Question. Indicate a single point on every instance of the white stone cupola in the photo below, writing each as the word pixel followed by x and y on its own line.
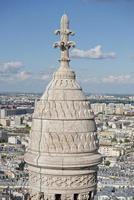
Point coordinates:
pixel 63 150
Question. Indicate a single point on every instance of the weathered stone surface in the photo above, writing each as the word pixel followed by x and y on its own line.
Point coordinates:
pixel 62 154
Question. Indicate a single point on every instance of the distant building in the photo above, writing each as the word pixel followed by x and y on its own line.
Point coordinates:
pixel 107 150
pixel 14 140
pixel 98 108
pixel 18 120
pixel 20 111
pixel 5 122
pixel 109 193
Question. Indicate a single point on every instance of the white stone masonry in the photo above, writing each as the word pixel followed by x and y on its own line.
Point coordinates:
pixel 63 150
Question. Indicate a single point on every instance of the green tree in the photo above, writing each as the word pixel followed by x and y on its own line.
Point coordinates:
pixel 107 163
pixel 28 128
pixel 114 140
pixel 126 140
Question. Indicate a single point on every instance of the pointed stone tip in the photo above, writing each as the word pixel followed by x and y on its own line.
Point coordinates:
pixel 64 19
pixel 64 15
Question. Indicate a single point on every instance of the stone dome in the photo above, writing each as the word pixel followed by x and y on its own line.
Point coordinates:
pixel 63 150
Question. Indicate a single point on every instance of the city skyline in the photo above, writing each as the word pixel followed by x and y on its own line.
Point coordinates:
pixel 104 54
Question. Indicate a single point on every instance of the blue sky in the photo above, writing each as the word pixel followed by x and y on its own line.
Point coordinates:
pixel 104 55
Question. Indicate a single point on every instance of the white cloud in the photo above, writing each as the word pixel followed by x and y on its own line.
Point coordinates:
pixel 10 67
pixel 44 77
pixel 24 75
pixel 94 53
pixel 91 80
pixel 123 79
pixel 110 79
pixel 12 71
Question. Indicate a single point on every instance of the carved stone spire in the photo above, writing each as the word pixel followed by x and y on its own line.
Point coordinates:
pixel 63 149
pixel 64 44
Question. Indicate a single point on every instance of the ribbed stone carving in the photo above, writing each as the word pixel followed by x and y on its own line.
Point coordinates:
pixel 62 154
pixel 65 143
pixel 63 110
pixel 64 182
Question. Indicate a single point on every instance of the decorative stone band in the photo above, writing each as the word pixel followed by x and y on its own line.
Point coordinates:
pixel 42 196
pixel 64 75
pixel 64 84
pixel 63 110
pixel 62 161
pixel 64 142
pixel 50 182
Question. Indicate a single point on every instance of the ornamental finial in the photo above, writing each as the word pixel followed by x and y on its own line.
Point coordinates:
pixel 64 44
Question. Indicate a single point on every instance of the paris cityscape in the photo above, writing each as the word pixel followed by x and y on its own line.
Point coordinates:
pixel 66 132
pixel 115 123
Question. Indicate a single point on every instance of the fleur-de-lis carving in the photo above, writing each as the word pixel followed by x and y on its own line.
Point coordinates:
pixel 64 44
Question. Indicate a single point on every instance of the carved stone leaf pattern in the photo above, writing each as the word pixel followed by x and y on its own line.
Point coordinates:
pixel 63 110
pixel 76 142
pixel 33 177
pixel 63 181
